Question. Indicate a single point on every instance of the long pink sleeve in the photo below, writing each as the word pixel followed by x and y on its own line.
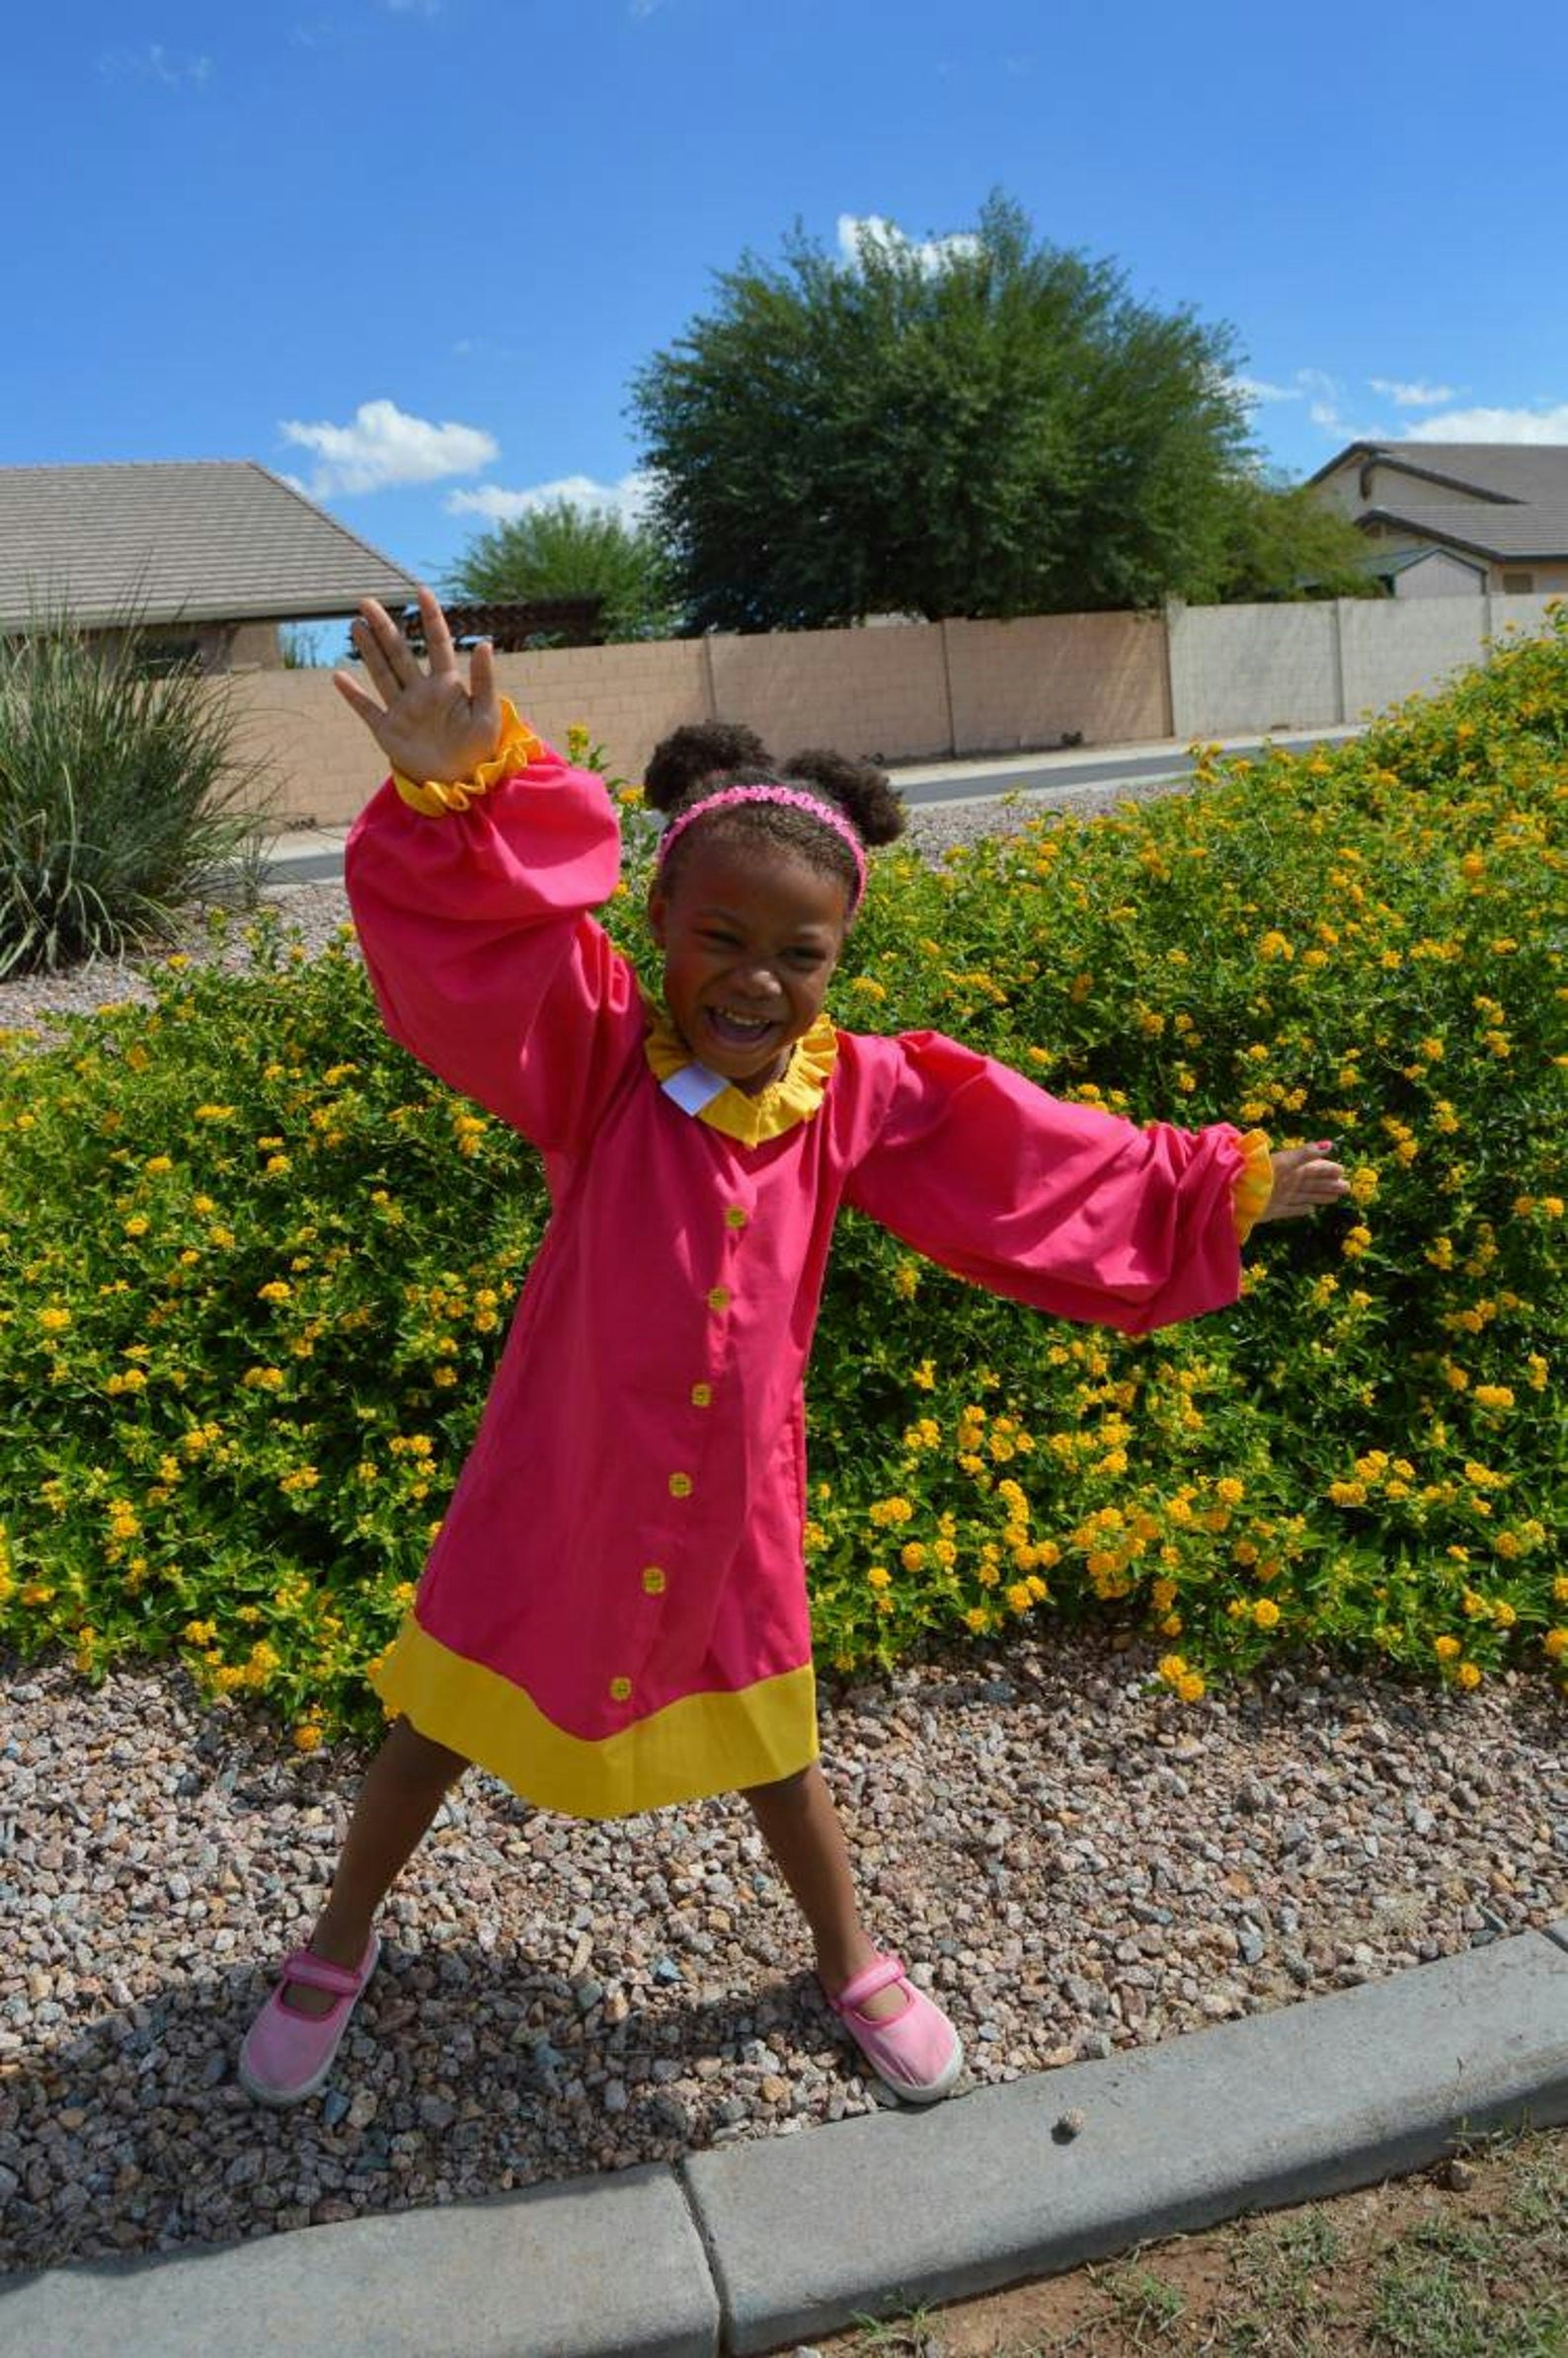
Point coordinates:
pixel 1069 1209
pixel 485 961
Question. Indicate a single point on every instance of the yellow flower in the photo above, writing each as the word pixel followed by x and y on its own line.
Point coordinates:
pixel 879 1577
pixel 307 1735
pixel 1229 1491
pixel 1555 1644
pixel 977 1618
pixel 1468 1674
pixel 1493 1395
pixel 1266 1612
pixel 913 1556
pixel 1446 1649
pixel 54 1321
pixel 1191 1687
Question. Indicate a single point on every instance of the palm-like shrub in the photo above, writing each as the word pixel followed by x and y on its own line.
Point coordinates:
pixel 122 799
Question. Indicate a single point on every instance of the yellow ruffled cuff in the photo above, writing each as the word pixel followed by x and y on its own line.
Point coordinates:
pixel 435 796
pixel 1254 1183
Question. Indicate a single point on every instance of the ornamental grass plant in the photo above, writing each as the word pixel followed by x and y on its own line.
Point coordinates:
pixel 256 1266
pixel 122 797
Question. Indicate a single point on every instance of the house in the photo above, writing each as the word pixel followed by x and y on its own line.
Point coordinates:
pixel 1446 517
pixel 210 554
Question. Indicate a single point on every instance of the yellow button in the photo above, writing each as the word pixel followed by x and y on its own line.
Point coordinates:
pixel 620 1690
pixel 702 1395
pixel 680 1485
pixel 654 1580
pixel 718 1297
pixel 734 1216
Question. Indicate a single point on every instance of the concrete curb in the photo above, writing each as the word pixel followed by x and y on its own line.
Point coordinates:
pixel 756 2246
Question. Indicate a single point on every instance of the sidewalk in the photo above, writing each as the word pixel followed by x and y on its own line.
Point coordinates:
pixel 760 2245
pixel 314 855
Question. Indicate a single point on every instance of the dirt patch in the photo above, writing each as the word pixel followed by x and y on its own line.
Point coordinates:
pixel 1471 2256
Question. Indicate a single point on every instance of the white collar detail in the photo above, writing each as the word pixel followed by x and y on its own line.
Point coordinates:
pixel 693 1087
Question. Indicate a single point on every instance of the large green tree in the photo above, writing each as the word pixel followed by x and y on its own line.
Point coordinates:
pixel 1280 541
pixel 565 548
pixel 990 426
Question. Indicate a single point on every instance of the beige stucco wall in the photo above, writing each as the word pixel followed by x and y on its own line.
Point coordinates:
pixel 1034 682
pixel 922 691
pixel 926 691
pixel 878 692
pixel 1546 580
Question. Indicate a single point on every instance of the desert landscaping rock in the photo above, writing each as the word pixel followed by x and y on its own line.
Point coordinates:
pixel 525 2024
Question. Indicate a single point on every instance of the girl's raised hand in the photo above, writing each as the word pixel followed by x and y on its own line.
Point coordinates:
pixel 429 724
pixel 1304 1179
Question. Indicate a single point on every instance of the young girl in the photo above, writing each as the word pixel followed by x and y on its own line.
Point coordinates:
pixel 614 1614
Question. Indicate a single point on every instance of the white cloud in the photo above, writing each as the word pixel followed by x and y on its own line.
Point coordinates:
pixel 154 64
pixel 415 8
pixel 1322 393
pixel 856 230
pixel 1411 397
pixel 383 446
pixel 1545 425
pixel 643 8
pixel 627 499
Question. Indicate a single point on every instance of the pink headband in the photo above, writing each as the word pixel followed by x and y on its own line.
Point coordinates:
pixel 823 812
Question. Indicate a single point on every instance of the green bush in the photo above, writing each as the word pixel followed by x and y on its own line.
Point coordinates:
pixel 120 795
pixel 254 1266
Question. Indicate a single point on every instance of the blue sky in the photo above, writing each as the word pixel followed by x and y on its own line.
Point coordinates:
pixel 411 252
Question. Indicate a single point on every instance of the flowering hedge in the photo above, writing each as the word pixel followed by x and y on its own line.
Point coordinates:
pixel 254 1267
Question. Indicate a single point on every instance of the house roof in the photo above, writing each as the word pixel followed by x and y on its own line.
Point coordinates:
pixel 1537 532
pixel 1518 494
pixel 1386 559
pixel 201 540
pixel 1527 471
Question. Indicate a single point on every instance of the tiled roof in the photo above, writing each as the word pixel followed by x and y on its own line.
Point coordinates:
pixel 202 540
pixel 1539 531
pixel 1535 473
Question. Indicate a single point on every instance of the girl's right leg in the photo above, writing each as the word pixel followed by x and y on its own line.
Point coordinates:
pixel 401 1794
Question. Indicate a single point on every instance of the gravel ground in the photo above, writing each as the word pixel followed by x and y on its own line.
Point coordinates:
pixel 1073 1864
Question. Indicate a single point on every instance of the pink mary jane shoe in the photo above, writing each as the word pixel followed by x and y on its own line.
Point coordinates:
pixel 287 2054
pixel 917 2054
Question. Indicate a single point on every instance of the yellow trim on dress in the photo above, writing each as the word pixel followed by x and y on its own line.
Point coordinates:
pixel 714 1743
pixel 1254 1183
pixel 436 796
pixel 773 1110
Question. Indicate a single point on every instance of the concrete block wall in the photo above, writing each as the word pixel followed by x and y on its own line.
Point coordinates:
pixel 924 691
pixel 1395 647
pixel 1033 681
pixel 878 692
pixel 626 697
pixel 1239 668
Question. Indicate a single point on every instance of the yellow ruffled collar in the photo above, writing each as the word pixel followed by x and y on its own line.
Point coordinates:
pixel 773 1110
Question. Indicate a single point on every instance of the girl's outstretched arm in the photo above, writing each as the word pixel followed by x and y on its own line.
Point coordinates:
pixel 472 874
pixel 1074 1211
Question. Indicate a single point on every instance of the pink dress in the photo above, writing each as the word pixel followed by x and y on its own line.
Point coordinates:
pixel 614 1614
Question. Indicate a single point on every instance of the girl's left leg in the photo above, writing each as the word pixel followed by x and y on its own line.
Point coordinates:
pixel 803 1831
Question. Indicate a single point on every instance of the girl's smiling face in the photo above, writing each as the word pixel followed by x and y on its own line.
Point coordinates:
pixel 749 947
